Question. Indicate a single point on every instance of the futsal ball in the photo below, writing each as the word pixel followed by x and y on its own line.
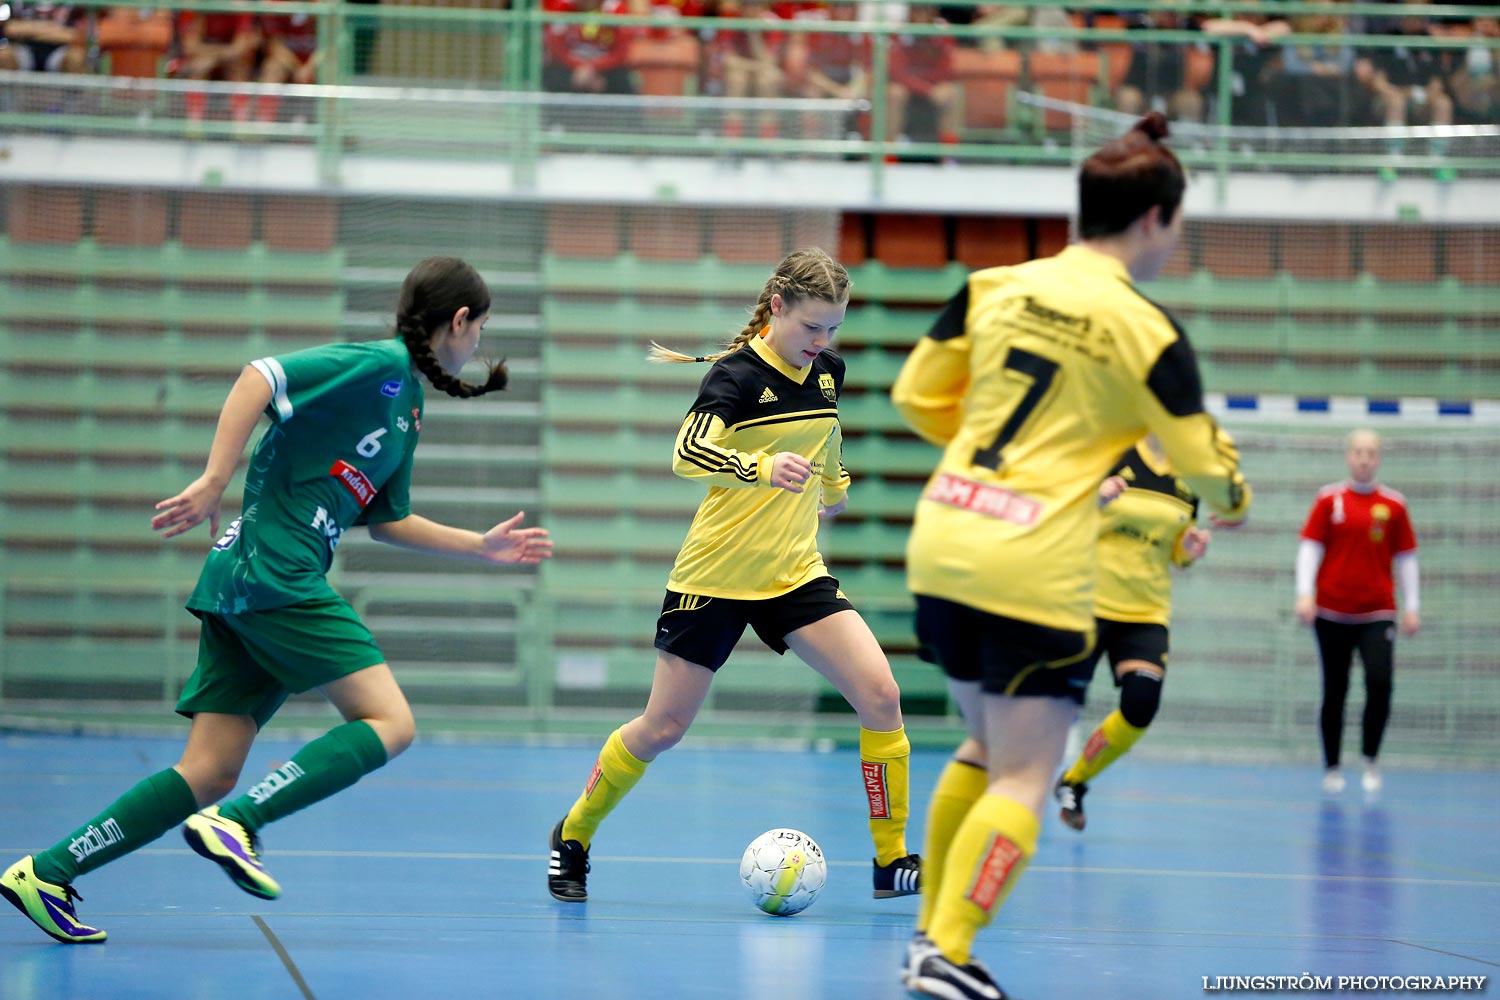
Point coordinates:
pixel 783 871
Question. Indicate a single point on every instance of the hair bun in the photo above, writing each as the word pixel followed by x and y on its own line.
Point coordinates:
pixel 1154 125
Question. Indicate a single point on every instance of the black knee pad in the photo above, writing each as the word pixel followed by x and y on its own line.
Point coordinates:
pixel 1140 695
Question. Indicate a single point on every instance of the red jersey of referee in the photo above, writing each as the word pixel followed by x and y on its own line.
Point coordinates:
pixel 1361 533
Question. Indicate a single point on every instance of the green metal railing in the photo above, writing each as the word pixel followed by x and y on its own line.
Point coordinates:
pixel 525 132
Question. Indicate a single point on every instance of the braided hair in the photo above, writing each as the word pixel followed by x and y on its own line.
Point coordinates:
pixel 432 294
pixel 803 274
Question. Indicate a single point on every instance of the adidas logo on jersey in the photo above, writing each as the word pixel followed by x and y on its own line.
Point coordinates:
pixel 768 396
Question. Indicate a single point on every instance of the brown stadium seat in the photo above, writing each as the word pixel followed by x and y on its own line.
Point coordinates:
pixel 1065 76
pixel 306 225
pixel 1473 255
pixel 1400 253
pixel 1236 250
pixel 130 218
pixel 674 234
pixel 747 237
pixel 588 231
pixel 852 248
pixel 986 241
pixel 45 215
pixel 1051 236
pixel 986 78
pixel 665 67
pixel 910 241
pixel 1317 252
pixel 215 220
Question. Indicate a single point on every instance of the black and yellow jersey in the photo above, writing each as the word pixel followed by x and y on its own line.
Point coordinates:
pixel 1034 379
pixel 1140 540
pixel 749 539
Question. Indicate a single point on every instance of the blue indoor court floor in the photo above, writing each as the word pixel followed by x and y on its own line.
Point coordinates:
pixel 427 880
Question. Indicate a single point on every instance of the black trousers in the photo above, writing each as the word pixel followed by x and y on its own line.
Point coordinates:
pixel 1337 641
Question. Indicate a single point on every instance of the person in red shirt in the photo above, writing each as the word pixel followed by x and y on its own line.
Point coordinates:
pixel 292 54
pixel 1356 533
pixel 922 77
pixel 217 47
pixel 587 58
pixel 747 63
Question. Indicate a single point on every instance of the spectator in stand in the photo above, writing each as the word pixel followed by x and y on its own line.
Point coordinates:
pixel 291 54
pixel 995 15
pixel 587 58
pixel 1475 79
pixel 1158 71
pixel 668 8
pixel 1314 85
pixel 42 37
pixel 747 63
pixel 135 39
pixel 1409 84
pixel 1255 56
pixel 922 81
pixel 827 64
pixel 217 47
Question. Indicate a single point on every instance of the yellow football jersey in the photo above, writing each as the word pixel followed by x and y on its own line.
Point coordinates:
pixel 1140 540
pixel 751 540
pixel 1034 379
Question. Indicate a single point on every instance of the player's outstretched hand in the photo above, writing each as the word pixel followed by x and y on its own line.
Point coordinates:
pixel 509 543
pixel 190 508
pixel 1219 522
pixel 1111 489
pixel 1195 542
pixel 833 510
pixel 790 471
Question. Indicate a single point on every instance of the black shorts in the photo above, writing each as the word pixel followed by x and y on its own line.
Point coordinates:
pixel 704 630
pixel 1005 655
pixel 1129 641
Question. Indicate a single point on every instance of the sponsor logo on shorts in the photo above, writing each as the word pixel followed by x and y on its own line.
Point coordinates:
pixel 391 388
pixel 991 501
pixel 999 861
pixel 354 481
pixel 875 790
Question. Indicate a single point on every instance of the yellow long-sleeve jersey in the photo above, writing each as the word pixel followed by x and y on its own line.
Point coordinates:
pixel 1034 379
pixel 1140 540
pixel 751 540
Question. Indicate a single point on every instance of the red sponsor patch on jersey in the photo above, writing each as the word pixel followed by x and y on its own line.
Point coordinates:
pixel 992 501
pixel 594 777
pixel 875 790
pixel 354 481
pixel 1095 746
pixel 999 862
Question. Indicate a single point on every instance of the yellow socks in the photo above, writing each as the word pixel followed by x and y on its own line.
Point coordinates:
pixel 615 773
pixel 988 854
pixel 958 788
pixel 1113 737
pixel 885 760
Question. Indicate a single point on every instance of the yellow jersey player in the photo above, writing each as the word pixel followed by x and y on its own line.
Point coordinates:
pixel 763 436
pixel 1149 526
pixel 338 453
pixel 1033 380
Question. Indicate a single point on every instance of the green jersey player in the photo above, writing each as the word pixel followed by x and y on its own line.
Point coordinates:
pixel 345 419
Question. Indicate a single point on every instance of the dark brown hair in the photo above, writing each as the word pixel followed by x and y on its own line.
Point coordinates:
pixel 803 274
pixel 433 292
pixel 1124 179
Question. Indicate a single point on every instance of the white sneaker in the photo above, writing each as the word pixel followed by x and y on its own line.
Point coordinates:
pixel 1333 782
pixel 1371 781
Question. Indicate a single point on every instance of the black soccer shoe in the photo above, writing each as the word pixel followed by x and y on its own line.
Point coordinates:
pixel 933 975
pixel 1070 797
pixel 902 877
pixel 568 871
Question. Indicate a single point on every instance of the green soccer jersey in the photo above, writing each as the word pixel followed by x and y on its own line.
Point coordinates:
pixel 344 424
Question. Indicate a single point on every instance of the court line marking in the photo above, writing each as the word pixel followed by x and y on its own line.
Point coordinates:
pixel 1451 954
pixel 286 959
pixel 1047 869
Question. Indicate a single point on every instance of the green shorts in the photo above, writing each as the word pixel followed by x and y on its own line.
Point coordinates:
pixel 249 663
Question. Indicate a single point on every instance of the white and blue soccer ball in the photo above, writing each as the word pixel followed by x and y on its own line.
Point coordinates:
pixel 783 871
